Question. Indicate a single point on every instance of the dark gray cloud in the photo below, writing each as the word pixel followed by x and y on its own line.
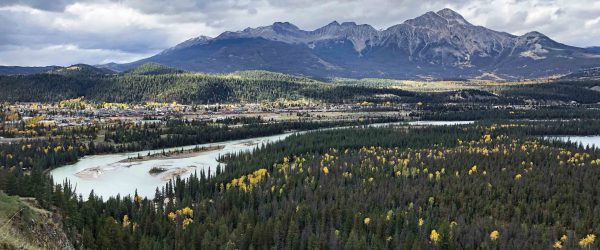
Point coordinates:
pixel 41 32
pixel 51 5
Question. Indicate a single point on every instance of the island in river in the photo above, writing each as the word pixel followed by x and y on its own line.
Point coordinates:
pixel 174 154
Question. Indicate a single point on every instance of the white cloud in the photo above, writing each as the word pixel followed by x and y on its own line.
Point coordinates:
pixel 561 20
pixel 65 54
pixel 103 29
pixel 593 24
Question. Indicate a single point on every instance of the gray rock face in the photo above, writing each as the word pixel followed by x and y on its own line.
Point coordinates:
pixel 188 43
pixel 359 35
pixel 435 45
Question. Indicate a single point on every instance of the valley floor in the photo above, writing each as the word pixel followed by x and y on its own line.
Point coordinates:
pixel 489 182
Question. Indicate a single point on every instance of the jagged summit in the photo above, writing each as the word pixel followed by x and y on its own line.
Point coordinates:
pixel 452 15
pixel 443 17
pixel 285 25
pixel 441 44
pixel 448 13
pixel 334 23
pixel 534 34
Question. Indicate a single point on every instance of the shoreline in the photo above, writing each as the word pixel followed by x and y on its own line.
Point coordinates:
pixel 173 173
pixel 175 154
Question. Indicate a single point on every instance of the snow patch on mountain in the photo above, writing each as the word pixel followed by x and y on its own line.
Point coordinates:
pixel 536 53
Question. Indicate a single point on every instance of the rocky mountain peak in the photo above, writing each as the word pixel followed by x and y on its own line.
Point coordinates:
pixel 332 24
pixel 347 27
pixel 442 18
pixel 452 15
pixel 440 43
pixel 284 26
pixel 533 34
pixel 359 35
pixel 429 19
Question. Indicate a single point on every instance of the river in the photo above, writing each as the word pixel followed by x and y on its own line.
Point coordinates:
pixel 592 140
pixel 108 176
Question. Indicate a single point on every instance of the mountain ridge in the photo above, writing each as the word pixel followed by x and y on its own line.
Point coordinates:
pixel 435 45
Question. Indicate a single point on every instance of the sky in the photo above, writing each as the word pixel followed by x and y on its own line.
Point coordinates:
pixel 65 32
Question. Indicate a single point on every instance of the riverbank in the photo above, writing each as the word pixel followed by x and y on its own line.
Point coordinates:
pixel 174 154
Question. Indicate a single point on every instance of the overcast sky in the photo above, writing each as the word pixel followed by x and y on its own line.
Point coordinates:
pixel 65 32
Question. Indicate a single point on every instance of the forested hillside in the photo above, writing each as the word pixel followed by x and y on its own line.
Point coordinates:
pixel 151 82
pixel 154 82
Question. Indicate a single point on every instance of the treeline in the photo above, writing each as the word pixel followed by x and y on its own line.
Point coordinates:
pixel 128 137
pixel 484 112
pixel 560 91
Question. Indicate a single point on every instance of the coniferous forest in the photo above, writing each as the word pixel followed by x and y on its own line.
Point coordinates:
pixel 158 83
pixel 490 185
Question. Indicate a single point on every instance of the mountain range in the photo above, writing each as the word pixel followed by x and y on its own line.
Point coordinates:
pixel 435 45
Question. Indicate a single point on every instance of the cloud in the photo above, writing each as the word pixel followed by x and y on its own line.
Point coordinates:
pixel 94 31
pixel 555 18
pixel 53 5
pixel 65 54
